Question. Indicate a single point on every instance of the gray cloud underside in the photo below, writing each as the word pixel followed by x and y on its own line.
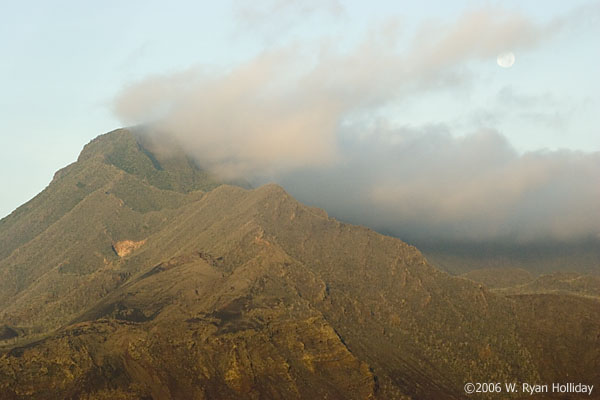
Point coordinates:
pixel 424 184
pixel 312 121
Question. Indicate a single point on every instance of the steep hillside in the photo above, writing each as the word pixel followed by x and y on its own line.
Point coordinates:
pixel 56 251
pixel 148 287
pixel 98 165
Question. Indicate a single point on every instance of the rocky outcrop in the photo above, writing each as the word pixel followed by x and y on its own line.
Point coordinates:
pixel 125 247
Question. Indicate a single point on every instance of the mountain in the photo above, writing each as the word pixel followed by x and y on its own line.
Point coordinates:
pixel 539 257
pixel 501 277
pixel 137 275
pixel 515 281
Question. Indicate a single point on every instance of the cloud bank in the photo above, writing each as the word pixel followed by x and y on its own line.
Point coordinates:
pixel 315 121
pixel 425 184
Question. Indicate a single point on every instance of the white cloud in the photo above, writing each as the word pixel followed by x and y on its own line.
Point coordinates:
pixel 306 120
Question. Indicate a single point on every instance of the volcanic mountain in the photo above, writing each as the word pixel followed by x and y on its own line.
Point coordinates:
pixel 137 275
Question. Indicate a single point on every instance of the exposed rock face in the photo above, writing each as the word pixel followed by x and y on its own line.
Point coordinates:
pixel 125 247
pixel 235 293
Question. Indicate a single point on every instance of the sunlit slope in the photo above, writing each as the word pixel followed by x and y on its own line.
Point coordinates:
pixel 61 242
pixel 98 165
pixel 147 288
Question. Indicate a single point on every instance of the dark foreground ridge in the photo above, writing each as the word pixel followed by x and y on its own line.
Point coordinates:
pixel 137 275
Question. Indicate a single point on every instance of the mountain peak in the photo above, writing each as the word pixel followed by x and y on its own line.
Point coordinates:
pixel 133 153
pixel 123 280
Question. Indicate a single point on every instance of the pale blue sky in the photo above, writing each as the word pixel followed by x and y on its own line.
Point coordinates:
pixel 63 62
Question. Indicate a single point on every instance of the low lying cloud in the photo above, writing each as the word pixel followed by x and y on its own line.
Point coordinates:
pixel 313 122
pixel 425 184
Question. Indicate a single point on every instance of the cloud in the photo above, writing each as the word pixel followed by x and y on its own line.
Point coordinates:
pixel 253 120
pixel 477 186
pixel 425 184
pixel 481 33
pixel 313 121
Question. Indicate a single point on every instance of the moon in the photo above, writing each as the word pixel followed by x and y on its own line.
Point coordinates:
pixel 506 60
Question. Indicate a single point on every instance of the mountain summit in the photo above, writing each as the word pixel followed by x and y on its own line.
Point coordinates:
pixel 137 275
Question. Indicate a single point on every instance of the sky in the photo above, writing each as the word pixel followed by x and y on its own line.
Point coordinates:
pixel 391 114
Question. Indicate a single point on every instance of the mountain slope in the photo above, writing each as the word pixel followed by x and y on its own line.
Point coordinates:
pixel 148 288
pixel 61 241
pixel 98 164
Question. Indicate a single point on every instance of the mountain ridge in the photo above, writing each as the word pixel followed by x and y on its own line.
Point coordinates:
pixel 234 292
